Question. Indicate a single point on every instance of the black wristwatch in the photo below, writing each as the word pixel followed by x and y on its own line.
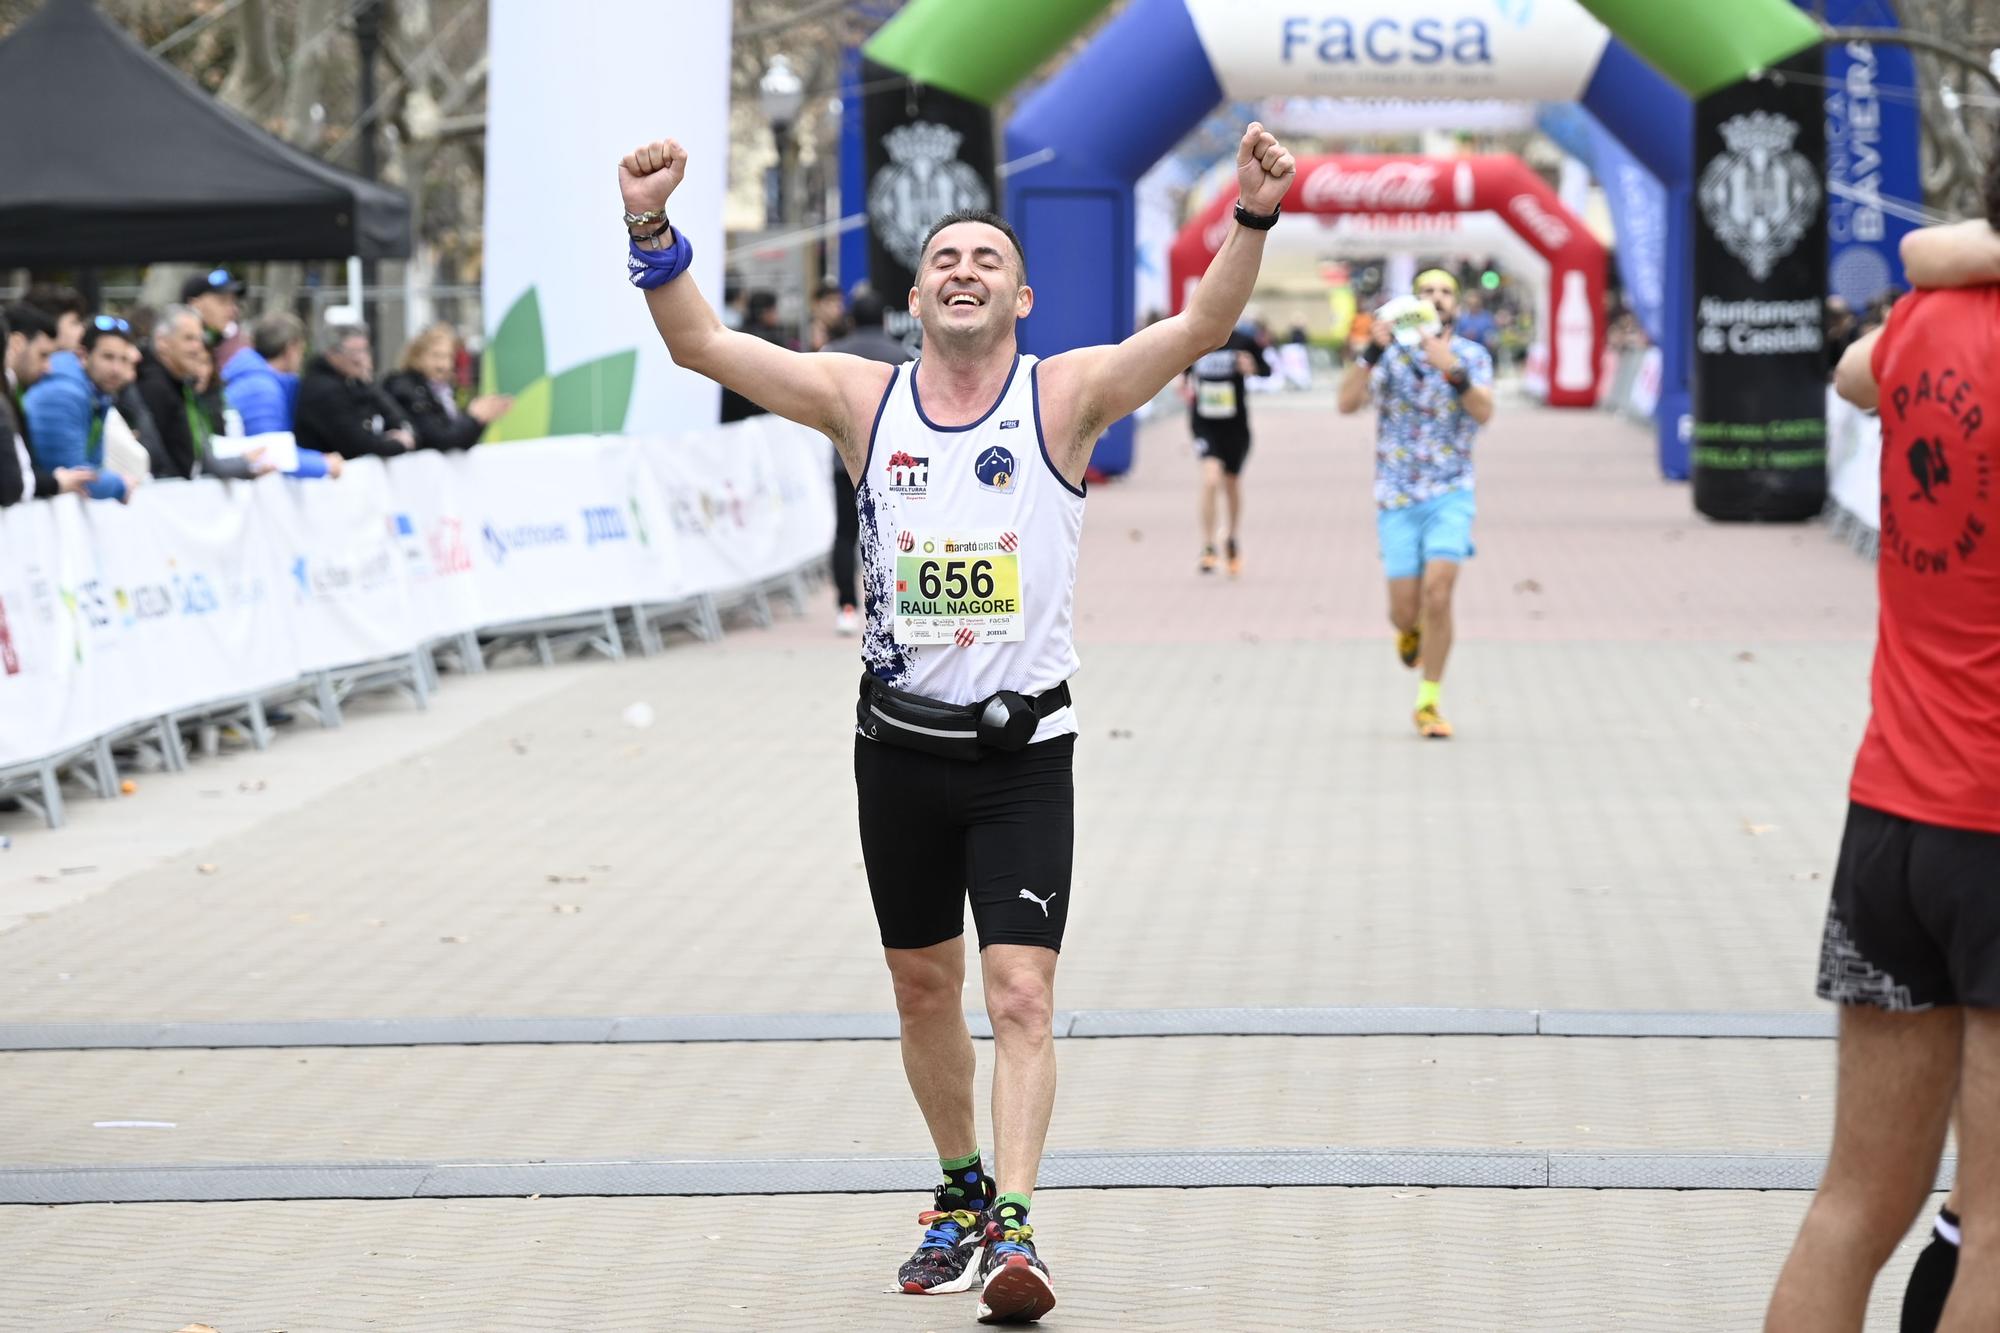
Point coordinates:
pixel 1373 353
pixel 1459 378
pixel 1257 221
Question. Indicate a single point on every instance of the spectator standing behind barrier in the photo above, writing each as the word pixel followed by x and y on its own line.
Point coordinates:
pixel 261 381
pixel 339 408
pixel 871 340
pixel 422 388
pixel 216 296
pixel 760 320
pixel 66 410
pixel 829 316
pixel 26 357
pixel 176 384
pixel 66 306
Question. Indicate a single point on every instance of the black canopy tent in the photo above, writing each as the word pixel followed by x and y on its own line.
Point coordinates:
pixel 109 156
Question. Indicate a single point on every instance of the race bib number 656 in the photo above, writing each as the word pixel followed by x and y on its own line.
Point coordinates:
pixel 964 589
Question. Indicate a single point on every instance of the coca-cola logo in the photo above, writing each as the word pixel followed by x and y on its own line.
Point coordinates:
pixel 1545 226
pixel 1391 186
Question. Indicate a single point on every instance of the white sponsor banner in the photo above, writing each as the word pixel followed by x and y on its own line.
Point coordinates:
pixel 203 592
pixel 342 574
pixel 44 707
pixel 435 541
pixel 572 89
pixel 555 518
pixel 1528 50
pixel 747 502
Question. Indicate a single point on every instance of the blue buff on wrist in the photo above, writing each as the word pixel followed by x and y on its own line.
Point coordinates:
pixel 656 268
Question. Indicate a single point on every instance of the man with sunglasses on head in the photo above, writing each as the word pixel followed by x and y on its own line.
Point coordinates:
pixel 1431 399
pixel 67 409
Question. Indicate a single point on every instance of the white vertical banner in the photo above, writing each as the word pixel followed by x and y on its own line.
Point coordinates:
pixel 571 90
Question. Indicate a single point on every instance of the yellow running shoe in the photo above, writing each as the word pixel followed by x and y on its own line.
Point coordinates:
pixel 1409 646
pixel 1431 724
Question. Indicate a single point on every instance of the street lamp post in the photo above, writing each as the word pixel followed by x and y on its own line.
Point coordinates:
pixel 781 94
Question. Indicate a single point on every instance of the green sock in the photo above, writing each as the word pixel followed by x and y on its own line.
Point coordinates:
pixel 1427 693
pixel 1011 1210
pixel 966 1177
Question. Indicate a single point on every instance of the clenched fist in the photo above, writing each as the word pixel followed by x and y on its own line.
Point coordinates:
pixel 650 173
pixel 1264 170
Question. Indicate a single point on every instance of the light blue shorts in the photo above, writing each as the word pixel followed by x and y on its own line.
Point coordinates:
pixel 1439 528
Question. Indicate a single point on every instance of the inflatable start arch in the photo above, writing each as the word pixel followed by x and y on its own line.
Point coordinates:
pixel 1503 186
pixel 1160 66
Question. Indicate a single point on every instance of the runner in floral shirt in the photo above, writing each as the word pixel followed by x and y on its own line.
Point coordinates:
pixel 1432 398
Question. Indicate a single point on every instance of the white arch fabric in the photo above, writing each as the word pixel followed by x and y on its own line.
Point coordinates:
pixel 1530 50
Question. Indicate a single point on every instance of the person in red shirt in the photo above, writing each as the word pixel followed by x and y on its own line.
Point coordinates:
pixel 1911 949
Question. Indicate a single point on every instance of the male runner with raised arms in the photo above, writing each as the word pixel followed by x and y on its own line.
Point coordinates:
pixel 968 468
pixel 1431 402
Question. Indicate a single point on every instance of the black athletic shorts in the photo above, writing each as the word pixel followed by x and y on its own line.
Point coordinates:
pixel 1001 828
pixel 1227 447
pixel 1915 917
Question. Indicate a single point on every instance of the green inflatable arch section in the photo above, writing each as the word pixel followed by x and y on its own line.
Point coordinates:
pixel 982 49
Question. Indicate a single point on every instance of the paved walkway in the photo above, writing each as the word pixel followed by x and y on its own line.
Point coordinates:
pixel 1640 813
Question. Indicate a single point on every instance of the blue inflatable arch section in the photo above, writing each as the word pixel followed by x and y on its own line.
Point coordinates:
pixel 1146 81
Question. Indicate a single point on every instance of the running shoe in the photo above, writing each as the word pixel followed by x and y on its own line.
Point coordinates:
pixel 846 622
pixel 1431 724
pixel 1208 560
pixel 1014 1282
pixel 1409 646
pixel 943 1263
pixel 1235 560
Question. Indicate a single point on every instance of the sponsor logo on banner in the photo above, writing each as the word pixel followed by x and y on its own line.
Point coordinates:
pixel 909 476
pixel 922 181
pixel 1545 226
pixel 1334 40
pixel 1762 195
pixel 449 553
pixel 1393 185
pixel 403 531
pixel 995 469
pixel 325 578
pixel 501 542
pixel 603 523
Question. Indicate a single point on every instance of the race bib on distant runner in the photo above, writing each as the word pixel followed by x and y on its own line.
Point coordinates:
pixel 960 589
pixel 1215 398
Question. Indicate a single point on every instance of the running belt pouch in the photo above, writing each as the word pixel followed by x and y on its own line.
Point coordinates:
pixel 1006 721
pixel 895 717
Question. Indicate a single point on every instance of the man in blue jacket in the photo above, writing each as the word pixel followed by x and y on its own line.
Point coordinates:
pixel 261 383
pixel 66 409
pixel 262 380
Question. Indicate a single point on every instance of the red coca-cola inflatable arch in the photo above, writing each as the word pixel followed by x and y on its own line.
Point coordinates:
pixel 1503 185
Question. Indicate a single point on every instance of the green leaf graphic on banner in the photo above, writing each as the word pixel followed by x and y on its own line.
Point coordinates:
pixel 590 399
pixel 528 419
pixel 516 357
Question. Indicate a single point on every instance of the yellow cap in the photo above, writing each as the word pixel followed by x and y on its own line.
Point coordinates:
pixel 1430 273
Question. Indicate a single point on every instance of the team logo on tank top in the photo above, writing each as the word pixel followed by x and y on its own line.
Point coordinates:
pixel 995 469
pixel 909 476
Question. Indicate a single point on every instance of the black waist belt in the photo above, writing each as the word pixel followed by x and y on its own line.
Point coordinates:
pixel 1003 721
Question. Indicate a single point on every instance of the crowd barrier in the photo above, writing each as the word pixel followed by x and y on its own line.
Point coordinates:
pixel 122 623
pixel 1631 382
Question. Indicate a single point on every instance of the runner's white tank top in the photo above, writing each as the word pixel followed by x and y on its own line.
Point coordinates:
pixel 968 542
